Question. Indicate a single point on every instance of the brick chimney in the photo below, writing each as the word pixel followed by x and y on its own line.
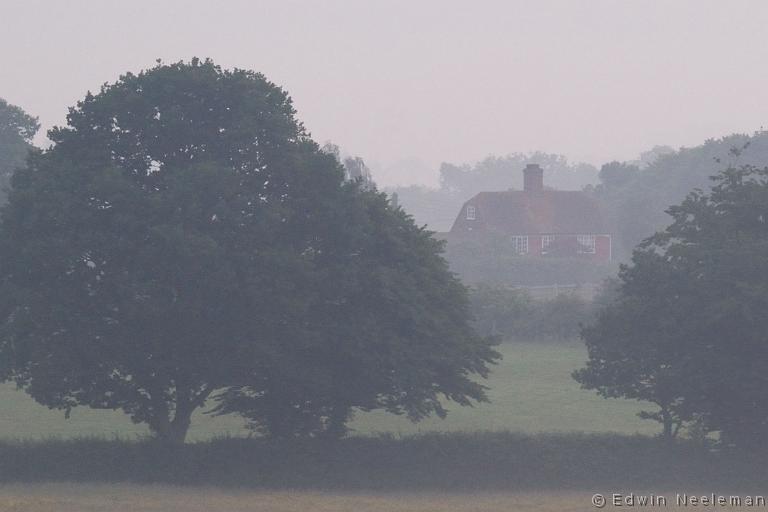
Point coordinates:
pixel 533 178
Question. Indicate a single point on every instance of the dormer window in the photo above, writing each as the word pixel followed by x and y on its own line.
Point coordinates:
pixel 471 213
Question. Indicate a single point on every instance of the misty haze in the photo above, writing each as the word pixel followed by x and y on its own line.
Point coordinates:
pixel 386 255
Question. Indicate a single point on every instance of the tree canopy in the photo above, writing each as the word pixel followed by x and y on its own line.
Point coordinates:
pixel 184 235
pixel 617 174
pixel 688 329
pixel 637 200
pixel 17 128
pixel 514 314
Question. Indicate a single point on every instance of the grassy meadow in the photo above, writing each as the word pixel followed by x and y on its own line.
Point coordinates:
pixel 541 445
pixel 531 391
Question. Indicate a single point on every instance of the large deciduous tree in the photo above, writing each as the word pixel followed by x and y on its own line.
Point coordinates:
pixel 689 330
pixel 184 235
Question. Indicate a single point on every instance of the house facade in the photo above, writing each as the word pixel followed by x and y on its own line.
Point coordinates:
pixel 538 222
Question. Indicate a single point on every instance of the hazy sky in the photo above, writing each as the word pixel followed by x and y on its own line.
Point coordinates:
pixel 410 84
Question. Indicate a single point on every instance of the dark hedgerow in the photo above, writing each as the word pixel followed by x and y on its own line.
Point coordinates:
pixel 472 461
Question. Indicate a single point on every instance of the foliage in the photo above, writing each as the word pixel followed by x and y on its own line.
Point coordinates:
pixel 468 462
pixel 503 173
pixel 608 292
pixel 131 248
pixel 688 331
pixel 650 156
pixel 617 174
pixel 498 310
pixel 355 168
pixel 632 349
pixel 435 208
pixel 389 328
pixel 637 206
pixel 511 313
pixel 184 235
pixel 17 129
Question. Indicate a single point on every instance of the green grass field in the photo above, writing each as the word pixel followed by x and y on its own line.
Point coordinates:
pixel 531 391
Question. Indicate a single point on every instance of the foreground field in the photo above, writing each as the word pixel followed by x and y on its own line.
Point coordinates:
pixel 120 498
pixel 124 498
pixel 531 391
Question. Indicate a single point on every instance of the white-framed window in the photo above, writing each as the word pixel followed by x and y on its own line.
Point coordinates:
pixel 586 244
pixel 471 213
pixel 546 241
pixel 520 244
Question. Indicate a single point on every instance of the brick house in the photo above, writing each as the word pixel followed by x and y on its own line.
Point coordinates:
pixel 540 222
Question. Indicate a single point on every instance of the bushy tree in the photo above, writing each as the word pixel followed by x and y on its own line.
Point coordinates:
pixel 500 310
pixel 688 331
pixel 513 314
pixel 617 174
pixel 355 168
pixel 184 235
pixel 650 156
pixel 634 349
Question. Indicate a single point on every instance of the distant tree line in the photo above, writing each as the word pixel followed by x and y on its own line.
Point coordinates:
pixel 637 194
pixel 634 194
pixel 438 207
pixel 504 173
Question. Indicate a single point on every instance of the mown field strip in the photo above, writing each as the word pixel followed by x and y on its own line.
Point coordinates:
pixel 124 498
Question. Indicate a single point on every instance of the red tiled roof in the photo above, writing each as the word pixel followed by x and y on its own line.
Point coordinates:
pixel 521 212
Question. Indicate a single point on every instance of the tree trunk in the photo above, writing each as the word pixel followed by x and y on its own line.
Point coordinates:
pixel 180 426
pixel 337 422
pixel 182 415
pixel 668 423
pixel 174 430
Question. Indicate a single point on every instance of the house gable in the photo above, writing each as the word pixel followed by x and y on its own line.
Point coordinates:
pixel 548 218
